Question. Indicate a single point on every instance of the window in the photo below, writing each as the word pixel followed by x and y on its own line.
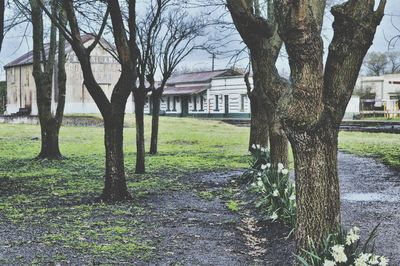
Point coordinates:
pixel 174 104
pixel 194 103
pixel 242 99
pixel 201 103
pixel 168 104
pixel 216 108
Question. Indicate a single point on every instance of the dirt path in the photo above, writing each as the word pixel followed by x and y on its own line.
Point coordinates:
pixel 192 225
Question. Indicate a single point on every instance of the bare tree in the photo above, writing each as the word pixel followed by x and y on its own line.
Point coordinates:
pixel 168 42
pixel 113 111
pixel 376 63
pixel 44 79
pixel 262 39
pixel 394 62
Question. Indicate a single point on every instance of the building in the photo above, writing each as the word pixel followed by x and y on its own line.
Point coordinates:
pixel 379 94
pixel 218 94
pixel 21 89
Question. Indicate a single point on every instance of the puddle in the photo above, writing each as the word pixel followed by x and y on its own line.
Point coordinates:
pixel 370 197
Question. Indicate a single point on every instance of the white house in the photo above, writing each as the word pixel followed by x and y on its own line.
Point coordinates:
pixel 219 93
pixel 21 89
pixel 383 93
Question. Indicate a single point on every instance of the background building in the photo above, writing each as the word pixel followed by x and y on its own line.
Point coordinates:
pixel 21 89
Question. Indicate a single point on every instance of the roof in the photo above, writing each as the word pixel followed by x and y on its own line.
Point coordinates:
pixel 202 76
pixel 185 90
pixel 27 58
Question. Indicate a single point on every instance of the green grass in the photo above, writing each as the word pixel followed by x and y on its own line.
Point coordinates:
pixel 57 195
pixel 384 147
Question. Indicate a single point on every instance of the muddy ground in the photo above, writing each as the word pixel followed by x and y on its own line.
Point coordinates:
pixel 193 226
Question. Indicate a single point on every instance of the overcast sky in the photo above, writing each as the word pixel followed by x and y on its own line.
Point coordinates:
pixel 15 45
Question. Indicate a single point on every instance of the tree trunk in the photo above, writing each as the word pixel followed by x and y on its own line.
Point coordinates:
pixel 259 133
pixel 139 115
pixel 278 141
pixel 49 132
pixel 317 190
pixel 155 117
pixel 115 188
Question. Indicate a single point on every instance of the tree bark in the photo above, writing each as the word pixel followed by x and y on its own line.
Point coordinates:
pixel 317 190
pixel 278 141
pixel 155 118
pixel 115 188
pixel 140 97
pixel 259 131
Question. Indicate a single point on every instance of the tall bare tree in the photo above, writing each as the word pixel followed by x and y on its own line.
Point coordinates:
pixel 44 79
pixel 167 39
pixel 113 111
pixel 312 105
pixel 376 63
pixel 262 39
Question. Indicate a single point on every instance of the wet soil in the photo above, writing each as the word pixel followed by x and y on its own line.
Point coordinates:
pixel 193 226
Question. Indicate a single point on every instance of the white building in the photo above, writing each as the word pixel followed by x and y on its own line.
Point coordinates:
pixel 21 89
pixel 220 93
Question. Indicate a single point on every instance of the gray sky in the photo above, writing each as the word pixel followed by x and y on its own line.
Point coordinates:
pixel 15 45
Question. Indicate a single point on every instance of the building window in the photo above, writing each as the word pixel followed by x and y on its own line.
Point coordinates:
pixel 201 103
pixel 216 103
pixel 174 104
pixel 242 99
pixel 168 104
pixel 194 103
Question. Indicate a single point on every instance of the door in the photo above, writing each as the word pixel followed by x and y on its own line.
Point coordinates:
pixel 185 105
pixel 226 101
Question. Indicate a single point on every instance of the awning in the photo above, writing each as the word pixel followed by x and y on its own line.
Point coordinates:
pixel 189 90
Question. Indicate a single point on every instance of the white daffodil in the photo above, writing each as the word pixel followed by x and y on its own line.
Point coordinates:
pixel 285 171
pixel 262 149
pixel 253 146
pixel 274 216
pixel 292 197
pixel 280 167
pixel 383 261
pixel 374 260
pixel 275 193
pixel 329 263
pixel 251 172
pixel 260 183
pixel 268 165
pixel 263 166
pixel 360 262
pixel 258 146
pixel 259 173
pixel 338 253
pixel 286 190
pixel 352 236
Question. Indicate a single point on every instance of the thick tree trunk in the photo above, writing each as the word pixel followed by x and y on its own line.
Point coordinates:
pixel 317 184
pixel 140 151
pixel 115 188
pixel 49 132
pixel 155 118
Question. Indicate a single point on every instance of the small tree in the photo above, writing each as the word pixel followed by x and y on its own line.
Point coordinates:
pixel 167 36
pixel 50 125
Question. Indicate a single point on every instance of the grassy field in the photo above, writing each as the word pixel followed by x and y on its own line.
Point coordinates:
pixel 59 195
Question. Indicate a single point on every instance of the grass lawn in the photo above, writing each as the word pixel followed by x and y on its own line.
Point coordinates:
pixel 58 195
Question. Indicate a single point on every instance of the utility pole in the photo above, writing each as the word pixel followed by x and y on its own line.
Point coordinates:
pixel 213 61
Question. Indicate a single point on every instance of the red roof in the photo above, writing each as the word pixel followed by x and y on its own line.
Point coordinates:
pixel 185 90
pixel 202 76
